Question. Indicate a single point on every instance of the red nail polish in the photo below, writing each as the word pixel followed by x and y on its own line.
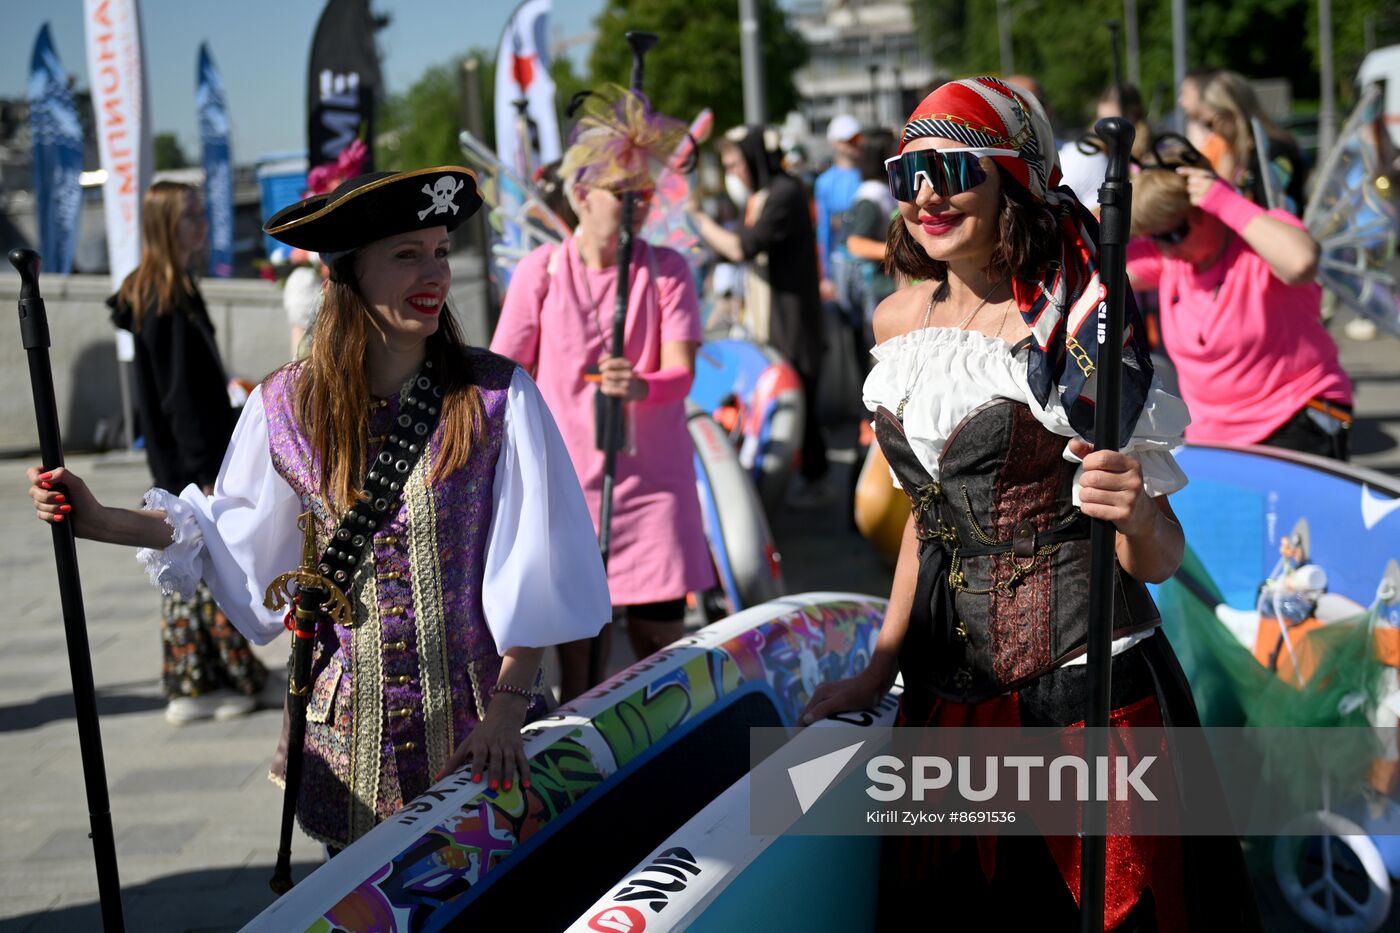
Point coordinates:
pixel 58 518
pixel 65 508
pixel 495 783
pixel 45 485
pixel 58 498
pixel 525 783
pixel 46 475
pixel 476 779
pixel 507 785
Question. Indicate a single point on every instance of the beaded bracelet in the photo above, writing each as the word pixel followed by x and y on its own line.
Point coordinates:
pixel 525 692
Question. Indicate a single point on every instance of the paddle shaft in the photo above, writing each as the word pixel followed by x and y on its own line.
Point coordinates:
pixel 641 43
pixel 1115 200
pixel 34 332
pixel 306 613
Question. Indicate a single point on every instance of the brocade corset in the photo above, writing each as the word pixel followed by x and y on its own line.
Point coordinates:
pixel 1003 587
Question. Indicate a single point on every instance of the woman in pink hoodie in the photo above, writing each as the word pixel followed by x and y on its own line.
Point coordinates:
pixel 1241 314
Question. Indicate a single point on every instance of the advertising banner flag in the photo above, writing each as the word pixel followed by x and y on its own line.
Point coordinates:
pixel 119 104
pixel 218 163
pixel 527 127
pixel 57 136
pixel 343 82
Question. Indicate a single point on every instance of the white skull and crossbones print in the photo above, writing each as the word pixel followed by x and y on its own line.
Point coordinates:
pixel 443 192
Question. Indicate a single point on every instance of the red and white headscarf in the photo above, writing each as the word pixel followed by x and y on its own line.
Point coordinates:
pixel 989 113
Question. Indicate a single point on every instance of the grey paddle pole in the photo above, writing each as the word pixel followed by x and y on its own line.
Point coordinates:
pixel 641 43
pixel 1115 201
pixel 34 332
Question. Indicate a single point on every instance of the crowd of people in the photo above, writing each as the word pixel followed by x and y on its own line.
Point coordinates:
pixel 458 491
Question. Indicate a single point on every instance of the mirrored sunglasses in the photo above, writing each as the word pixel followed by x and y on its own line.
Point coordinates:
pixel 946 171
pixel 1174 236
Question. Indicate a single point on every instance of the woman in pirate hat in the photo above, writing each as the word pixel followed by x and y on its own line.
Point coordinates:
pixel 441 496
pixel 982 395
pixel 556 320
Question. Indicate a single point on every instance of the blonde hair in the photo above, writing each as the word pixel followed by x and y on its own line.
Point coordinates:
pixel 1160 201
pixel 1230 93
pixel 161 279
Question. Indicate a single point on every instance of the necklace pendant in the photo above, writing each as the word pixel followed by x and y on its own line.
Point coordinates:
pixel 899 409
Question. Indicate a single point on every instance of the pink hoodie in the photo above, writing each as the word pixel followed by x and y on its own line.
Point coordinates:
pixel 1249 349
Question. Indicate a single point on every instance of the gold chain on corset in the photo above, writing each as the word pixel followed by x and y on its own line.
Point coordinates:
pixel 1019 571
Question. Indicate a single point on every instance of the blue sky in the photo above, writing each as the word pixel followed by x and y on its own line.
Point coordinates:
pixel 260 48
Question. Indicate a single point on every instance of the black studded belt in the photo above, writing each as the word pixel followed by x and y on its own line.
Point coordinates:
pixel 384 483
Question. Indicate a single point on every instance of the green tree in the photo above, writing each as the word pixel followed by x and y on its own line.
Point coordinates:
pixel 1350 21
pixel 1065 45
pixel 168 152
pixel 420 126
pixel 698 66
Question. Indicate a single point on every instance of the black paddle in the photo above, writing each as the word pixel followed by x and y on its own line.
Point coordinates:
pixel 1115 202
pixel 34 332
pixel 641 43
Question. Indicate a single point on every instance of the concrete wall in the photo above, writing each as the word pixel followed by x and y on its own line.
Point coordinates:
pixel 248 319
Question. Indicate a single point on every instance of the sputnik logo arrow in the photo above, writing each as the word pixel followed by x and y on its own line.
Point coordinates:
pixel 811 778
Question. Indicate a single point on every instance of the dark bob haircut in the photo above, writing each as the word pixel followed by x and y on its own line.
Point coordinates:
pixel 1027 238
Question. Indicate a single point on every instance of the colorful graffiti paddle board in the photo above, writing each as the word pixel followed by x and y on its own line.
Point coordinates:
pixel 715 873
pixel 1242 501
pixel 612 774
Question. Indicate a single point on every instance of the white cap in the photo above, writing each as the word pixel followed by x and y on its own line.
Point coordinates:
pixel 842 127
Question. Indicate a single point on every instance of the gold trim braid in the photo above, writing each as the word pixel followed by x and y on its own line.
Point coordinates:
pixel 429 620
pixel 367 726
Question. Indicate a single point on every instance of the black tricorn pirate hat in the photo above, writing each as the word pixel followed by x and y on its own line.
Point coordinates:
pixel 378 205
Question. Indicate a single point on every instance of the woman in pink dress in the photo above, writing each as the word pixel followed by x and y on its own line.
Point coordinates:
pixel 557 322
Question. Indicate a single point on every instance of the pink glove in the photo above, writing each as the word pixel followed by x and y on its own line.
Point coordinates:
pixel 1234 210
pixel 667 385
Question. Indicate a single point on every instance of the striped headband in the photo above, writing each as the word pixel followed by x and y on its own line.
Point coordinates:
pixel 989 113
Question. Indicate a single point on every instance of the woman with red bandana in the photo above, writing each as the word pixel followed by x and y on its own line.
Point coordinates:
pixel 982 384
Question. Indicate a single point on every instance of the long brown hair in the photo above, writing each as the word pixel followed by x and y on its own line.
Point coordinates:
pixel 332 391
pixel 160 281
pixel 1027 238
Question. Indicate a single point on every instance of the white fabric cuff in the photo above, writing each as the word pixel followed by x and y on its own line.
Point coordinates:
pixel 177 568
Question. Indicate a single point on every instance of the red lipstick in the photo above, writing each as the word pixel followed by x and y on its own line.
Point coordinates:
pixel 937 225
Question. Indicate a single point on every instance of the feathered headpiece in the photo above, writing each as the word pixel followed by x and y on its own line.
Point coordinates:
pixel 619 142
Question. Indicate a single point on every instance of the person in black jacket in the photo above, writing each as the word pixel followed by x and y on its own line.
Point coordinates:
pixel 186 420
pixel 778 241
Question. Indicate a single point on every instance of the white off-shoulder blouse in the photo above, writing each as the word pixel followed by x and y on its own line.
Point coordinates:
pixel 946 372
pixel 943 373
pixel 544 581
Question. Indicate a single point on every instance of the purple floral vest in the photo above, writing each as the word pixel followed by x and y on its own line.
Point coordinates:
pixel 396 693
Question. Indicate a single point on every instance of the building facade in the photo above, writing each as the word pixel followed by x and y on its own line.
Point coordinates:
pixel 865 59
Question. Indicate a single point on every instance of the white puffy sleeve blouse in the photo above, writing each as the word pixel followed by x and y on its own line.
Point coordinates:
pixel 544 579
pixel 945 373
